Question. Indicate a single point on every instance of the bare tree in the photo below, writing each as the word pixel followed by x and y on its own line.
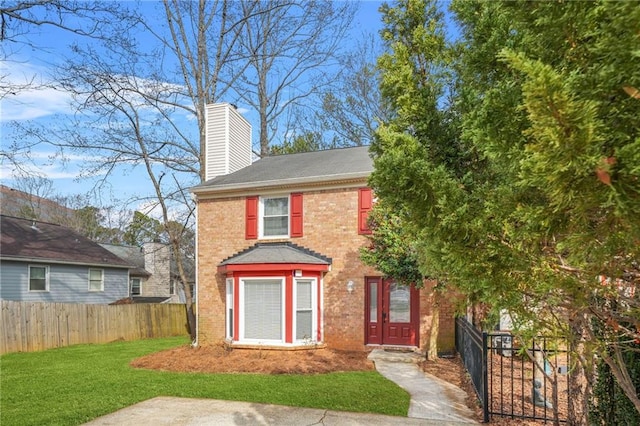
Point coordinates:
pixel 135 103
pixel 352 107
pixel 141 104
pixel 18 19
pixel 291 47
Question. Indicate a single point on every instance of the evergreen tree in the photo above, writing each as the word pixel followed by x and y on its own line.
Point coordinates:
pixel 515 151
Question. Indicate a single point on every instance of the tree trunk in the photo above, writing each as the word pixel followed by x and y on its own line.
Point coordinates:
pixel 579 383
pixel 620 372
pixel 432 354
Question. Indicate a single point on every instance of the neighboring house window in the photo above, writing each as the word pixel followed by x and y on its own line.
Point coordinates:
pixel 229 308
pixel 262 303
pixel 306 326
pixel 96 281
pixel 172 287
pixel 274 217
pixel 365 203
pixel 136 287
pixel 38 278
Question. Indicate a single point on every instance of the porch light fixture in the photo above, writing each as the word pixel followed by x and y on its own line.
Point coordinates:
pixel 350 286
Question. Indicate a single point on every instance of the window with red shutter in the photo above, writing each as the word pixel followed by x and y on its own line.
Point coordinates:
pixel 365 202
pixel 251 225
pixel 296 215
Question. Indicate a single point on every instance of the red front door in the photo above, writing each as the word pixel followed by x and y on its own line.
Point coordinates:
pixel 391 314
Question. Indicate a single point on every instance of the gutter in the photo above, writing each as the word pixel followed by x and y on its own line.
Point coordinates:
pixel 351 179
pixel 63 262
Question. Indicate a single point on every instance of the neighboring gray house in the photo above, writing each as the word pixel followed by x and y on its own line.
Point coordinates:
pixel 152 280
pixel 44 262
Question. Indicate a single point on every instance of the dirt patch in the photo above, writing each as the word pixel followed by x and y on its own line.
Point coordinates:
pixel 220 359
pixel 453 371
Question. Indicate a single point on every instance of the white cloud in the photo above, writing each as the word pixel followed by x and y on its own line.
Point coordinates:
pixel 28 96
pixel 45 164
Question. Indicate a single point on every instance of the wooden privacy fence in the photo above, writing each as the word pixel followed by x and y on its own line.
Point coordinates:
pixel 32 326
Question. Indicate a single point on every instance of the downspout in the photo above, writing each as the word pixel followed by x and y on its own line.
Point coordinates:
pixel 197 292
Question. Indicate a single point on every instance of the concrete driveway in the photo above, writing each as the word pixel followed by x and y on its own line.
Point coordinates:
pixel 191 412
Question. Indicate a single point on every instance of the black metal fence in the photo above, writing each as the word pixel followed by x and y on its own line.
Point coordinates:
pixel 471 345
pixel 513 381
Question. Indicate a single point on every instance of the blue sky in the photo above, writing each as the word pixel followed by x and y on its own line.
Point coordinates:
pixel 44 105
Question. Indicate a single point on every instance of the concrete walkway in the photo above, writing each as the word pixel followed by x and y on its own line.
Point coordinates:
pixel 433 403
pixel 431 398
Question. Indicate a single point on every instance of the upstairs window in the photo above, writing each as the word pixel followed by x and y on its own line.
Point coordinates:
pixel 275 216
pixel 38 278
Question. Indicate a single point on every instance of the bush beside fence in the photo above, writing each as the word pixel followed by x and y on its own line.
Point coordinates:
pixel 32 326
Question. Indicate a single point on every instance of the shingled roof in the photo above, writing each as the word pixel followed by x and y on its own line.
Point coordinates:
pixel 132 255
pixel 281 252
pixel 308 167
pixel 31 241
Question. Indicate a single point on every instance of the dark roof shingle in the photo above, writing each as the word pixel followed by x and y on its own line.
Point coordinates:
pixel 132 255
pixel 27 240
pixel 281 252
pixel 327 165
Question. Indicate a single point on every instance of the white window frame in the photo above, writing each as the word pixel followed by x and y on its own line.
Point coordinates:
pixel 101 280
pixel 314 310
pixel 139 286
pixel 261 216
pixel 228 325
pixel 46 278
pixel 241 325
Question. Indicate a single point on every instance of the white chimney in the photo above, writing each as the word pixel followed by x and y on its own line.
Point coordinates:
pixel 228 146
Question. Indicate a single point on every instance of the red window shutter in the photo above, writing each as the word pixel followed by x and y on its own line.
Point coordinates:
pixel 296 215
pixel 365 202
pixel 251 225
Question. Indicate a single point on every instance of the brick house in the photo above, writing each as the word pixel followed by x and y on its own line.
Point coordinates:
pixel 278 260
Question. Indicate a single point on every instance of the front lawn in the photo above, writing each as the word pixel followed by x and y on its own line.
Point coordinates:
pixel 73 385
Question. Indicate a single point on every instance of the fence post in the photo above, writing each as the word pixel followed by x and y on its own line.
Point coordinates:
pixel 485 380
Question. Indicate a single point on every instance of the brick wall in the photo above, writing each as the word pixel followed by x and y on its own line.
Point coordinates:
pixel 331 229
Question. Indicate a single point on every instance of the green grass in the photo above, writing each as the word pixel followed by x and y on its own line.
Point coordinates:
pixel 76 384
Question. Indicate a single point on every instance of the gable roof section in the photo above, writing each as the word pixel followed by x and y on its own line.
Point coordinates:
pixel 277 253
pixel 30 241
pixel 295 169
pixel 132 255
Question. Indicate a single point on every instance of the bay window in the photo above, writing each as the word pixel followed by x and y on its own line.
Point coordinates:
pixel 305 301
pixel 272 310
pixel 262 305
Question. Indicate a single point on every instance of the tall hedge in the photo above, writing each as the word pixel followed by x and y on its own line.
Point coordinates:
pixel 609 405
